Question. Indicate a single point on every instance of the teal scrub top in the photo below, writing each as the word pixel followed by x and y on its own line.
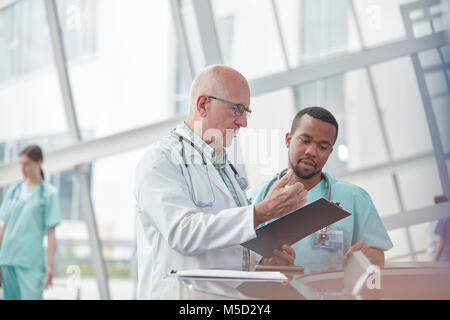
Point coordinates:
pixel 364 224
pixel 27 222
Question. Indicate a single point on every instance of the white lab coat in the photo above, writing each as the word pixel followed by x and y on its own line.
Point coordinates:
pixel 171 232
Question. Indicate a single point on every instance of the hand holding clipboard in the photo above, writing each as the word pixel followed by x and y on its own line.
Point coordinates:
pixel 295 226
pixel 280 200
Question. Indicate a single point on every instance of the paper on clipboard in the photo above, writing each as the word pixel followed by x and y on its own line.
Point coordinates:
pixel 295 226
pixel 220 274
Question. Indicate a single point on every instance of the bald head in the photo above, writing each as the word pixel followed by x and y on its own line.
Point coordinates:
pixel 216 80
pixel 214 119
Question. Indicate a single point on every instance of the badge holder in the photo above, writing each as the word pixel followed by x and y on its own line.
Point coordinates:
pixel 329 239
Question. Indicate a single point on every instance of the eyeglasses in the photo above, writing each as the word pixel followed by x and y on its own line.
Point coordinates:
pixel 238 108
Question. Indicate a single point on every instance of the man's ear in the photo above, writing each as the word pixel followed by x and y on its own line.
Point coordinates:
pixel 287 139
pixel 201 105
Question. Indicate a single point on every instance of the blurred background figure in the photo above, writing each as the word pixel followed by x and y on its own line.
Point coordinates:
pixel 443 246
pixel 29 210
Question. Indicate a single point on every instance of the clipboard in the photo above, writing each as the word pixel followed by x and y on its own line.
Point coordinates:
pixel 295 226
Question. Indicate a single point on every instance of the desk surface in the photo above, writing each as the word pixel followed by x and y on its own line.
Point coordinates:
pixel 400 280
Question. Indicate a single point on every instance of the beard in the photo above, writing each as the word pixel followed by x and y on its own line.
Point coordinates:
pixel 298 173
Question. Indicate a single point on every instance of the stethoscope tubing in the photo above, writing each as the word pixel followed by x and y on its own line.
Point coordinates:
pixel 241 180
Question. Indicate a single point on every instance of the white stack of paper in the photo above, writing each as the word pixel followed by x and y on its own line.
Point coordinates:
pixel 219 274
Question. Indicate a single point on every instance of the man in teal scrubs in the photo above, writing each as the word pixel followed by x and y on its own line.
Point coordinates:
pixel 29 210
pixel 310 143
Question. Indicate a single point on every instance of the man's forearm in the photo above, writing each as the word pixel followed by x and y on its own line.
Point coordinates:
pixel 259 214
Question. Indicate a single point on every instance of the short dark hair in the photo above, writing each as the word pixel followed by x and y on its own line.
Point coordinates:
pixel 317 113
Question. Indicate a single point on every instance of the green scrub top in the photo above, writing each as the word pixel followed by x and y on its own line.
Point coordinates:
pixel 27 222
pixel 363 225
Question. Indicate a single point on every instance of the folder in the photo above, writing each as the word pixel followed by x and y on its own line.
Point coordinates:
pixel 282 269
pixel 221 274
pixel 295 226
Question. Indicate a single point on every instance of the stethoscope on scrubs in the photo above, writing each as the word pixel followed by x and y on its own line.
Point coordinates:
pixel 242 181
pixel 41 193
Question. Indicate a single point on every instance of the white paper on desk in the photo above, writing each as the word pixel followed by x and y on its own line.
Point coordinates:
pixel 218 274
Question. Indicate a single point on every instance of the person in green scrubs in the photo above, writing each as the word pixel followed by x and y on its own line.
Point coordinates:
pixel 310 142
pixel 29 210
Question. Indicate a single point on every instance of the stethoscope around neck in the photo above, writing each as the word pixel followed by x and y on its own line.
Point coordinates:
pixel 242 181
pixel 16 189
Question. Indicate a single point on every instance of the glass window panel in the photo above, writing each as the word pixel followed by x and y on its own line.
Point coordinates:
pixel 442 112
pixel 255 46
pixel 78 24
pixel 421 29
pixel 289 17
pixel 192 34
pixel 114 203
pixel 328 93
pixel 418 195
pixel 419 237
pixel 381 189
pixel 416 14
pixel 314 30
pixel 429 58
pixel 130 81
pixel 363 130
pixel 225 27
pixel 403 113
pixel 262 142
pixel 436 8
pixel 400 241
pixel 438 24
pixel 112 194
pixel 25 45
pixel 436 82
pixel 31 108
pixel 380 20
pixel 181 97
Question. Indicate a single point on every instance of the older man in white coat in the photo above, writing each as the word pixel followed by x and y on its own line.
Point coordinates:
pixel 191 210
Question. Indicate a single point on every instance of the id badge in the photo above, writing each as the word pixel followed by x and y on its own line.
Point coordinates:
pixel 331 240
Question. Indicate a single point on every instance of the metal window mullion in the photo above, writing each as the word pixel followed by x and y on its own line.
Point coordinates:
pixel 211 50
pixel 445 66
pixel 426 100
pixel 373 90
pixel 345 63
pixel 283 47
pixel 382 125
pixel 182 39
pixel 207 30
pixel 402 209
pixel 81 172
pixel 432 126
